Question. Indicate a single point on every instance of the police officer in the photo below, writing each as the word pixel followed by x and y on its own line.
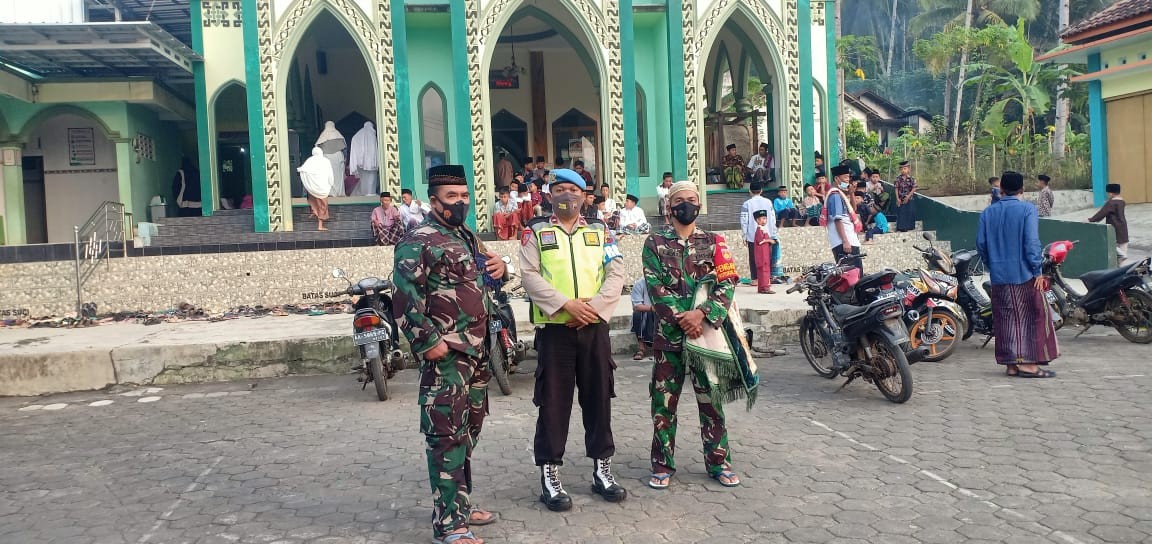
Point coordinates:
pixel 573 273
pixel 441 305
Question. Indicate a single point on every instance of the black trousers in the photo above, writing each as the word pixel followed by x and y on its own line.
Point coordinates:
pixel 838 252
pixel 570 358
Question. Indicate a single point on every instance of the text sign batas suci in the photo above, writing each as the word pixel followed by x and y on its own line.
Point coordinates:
pixel 497 79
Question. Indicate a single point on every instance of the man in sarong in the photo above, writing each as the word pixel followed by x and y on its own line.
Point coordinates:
pixel 506 216
pixel 691 278
pixel 733 167
pixel 387 223
pixel 1008 240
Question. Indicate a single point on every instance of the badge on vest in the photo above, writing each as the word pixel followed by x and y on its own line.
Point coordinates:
pixel 548 240
pixel 592 238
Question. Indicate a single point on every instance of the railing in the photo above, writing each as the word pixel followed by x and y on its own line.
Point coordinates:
pixel 105 232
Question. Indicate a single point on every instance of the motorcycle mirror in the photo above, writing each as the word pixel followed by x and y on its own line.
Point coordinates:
pixel 338 273
pixel 928 236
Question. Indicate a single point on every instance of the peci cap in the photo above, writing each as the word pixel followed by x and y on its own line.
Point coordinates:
pixel 446 174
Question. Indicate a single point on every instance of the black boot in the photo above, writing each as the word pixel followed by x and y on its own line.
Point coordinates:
pixel 551 491
pixel 604 484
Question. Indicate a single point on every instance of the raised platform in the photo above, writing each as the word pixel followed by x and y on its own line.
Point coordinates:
pixel 40 361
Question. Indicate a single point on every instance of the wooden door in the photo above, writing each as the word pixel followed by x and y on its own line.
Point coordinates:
pixel 1129 161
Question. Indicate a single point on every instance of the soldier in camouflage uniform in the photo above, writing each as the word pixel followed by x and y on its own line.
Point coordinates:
pixel 675 258
pixel 442 306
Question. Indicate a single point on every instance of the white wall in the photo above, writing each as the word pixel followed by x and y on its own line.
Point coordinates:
pixel 71 195
pixel 567 86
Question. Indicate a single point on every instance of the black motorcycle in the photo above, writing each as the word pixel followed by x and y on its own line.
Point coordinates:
pixel 506 349
pixel 1116 297
pixel 855 341
pixel 374 332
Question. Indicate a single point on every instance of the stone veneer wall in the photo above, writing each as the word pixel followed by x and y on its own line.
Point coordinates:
pixel 219 281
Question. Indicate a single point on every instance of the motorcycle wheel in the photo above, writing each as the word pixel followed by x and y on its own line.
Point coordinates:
pixel 499 360
pixel 895 378
pixel 376 369
pixel 812 343
pixel 949 326
pixel 1138 329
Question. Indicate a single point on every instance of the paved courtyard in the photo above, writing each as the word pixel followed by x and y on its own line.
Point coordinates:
pixel 973 457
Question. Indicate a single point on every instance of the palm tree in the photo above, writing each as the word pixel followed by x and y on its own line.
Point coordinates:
pixel 943 14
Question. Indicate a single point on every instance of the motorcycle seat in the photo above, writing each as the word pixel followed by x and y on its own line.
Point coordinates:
pixel 847 311
pixel 872 278
pixel 1099 277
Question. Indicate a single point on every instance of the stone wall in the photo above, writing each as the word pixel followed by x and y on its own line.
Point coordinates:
pixel 218 281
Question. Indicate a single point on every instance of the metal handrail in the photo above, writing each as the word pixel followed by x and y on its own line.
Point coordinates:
pixel 107 225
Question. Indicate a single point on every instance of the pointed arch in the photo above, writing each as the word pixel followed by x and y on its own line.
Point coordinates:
pixel 34 122
pixel 431 87
pixel 715 92
pixel 571 38
pixel 820 107
pixel 276 39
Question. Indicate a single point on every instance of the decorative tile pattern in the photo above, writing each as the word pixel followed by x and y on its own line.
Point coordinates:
pixel 692 127
pixel 388 132
pixel 224 14
pixel 617 167
pixel 476 32
pixel 272 49
pixel 785 43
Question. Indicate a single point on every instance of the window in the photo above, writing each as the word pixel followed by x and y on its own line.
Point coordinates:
pixel 641 131
pixel 433 127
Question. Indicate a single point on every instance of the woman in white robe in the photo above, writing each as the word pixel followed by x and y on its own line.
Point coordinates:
pixel 363 161
pixel 316 175
pixel 333 145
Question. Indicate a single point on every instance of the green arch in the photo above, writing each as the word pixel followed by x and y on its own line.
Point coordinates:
pixel 746 44
pixel 33 123
pixel 433 87
pixel 564 32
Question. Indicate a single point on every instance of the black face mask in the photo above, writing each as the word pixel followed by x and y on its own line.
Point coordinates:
pixel 457 213
pixel 685 213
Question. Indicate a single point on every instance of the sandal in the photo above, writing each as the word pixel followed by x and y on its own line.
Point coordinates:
pixel 640 355
pixel 733 480
pixel 473 521
pixel 456 537
pixel 659 480
pixel 1010 370
pixel 1040 373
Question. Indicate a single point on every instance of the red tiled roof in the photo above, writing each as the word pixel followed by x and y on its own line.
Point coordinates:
pixel 1116 13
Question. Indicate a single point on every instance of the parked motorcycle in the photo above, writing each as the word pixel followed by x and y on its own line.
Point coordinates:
pixel 506 349
pixel 933 317
pixel 855 341
pixel 374 332
pixel 1116 297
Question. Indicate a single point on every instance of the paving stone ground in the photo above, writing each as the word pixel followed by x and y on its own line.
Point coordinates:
pixel 973 457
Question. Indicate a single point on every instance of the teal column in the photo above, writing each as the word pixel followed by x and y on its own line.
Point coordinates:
pixel 255 116
pixel 463 110
pixel 1097 133
pixel 831 90
pixel 678 108
pixel 410 169
pixel 804 10
pixel 203 134
pixel 628 77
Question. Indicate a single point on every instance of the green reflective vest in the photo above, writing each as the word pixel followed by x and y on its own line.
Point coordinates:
pixel 573 264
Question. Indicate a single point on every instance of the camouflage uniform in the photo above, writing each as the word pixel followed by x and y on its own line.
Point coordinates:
pixel 440 295
pixel 672 268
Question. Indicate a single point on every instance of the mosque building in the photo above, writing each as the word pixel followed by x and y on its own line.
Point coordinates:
pixel 100 100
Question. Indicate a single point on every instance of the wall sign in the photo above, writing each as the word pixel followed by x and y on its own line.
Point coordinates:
pixel 497 79
pixel 81 147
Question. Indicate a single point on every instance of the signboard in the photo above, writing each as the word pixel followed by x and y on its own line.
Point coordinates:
pixel 497 79
pixel 81 147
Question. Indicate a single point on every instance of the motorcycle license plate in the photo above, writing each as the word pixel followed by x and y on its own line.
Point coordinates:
pixel 373 336
pixel 494 325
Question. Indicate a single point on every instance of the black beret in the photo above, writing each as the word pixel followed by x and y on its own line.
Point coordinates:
pixel 730 146
pixel 1113 188
pixel 446 174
